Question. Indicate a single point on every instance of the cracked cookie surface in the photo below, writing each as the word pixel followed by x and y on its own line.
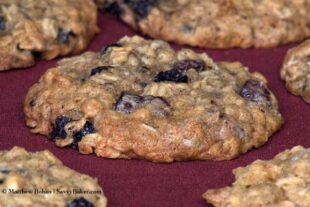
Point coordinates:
pixel 283 182
pixel 296 70
pixel 44 29
pixel 141 99
pixel 217 23
pixel 40 179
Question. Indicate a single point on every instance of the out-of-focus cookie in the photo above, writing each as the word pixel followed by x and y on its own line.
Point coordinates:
pixel 218 23
pixel 283 182
pixel 31 29
pixel 139 98
pixel 296 70
pixel 40 179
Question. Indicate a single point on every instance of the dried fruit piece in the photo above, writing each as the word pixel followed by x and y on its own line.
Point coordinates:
pixel 256 91
pixel 185 65
pixel 158 106
pixel 32 103
pixel 173 75
pixel 5 171
pixel 37 55
pixel 80 202
pixel 64 36
pixel 87 129
pixel 177 73
pixel 2 23
pixel 59 127
pixel 141 7
pixel 127 103
pixel 112 7
pixel 99 69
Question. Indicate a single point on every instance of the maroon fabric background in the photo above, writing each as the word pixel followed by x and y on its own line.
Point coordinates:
pixel 140 183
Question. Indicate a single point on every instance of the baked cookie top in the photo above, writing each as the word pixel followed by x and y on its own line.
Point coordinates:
pixel 218 23
pixel 140 99
pixel 296 70
pixel 45 29
pixel 283 182
pixel 40 179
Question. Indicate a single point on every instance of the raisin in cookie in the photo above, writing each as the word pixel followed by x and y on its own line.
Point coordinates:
pixel 283 182
pixel 141 99
pixel 296 70
pixel 109 6
pixel 218 24
pixel 40 179
pixel 45 29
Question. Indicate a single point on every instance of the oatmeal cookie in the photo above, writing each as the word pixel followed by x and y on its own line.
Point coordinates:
pixel 218 23
pixel 44 29
pixel 296 70
pixel 40 179
pixel 283 182
pixel 139 98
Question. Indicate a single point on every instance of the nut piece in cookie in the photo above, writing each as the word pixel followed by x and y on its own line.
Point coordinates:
pixel 44 29
pixel 36 177
pixel 139 98
pixel 296 70
pixel 218 24
pixel 282 181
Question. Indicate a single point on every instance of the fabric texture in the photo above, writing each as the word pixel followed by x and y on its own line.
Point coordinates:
pixel 141 183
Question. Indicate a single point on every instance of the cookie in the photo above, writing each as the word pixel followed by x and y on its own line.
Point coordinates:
pixel 283 181
pixel 40 179
pixel 31 30
pixel 139 98
pixel 296 70
pixel 219 24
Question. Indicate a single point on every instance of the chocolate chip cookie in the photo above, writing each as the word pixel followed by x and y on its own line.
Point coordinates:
pixel 139 98
pixel 296 70
pixel 218 23
pixel 283 182
pixel 40 179
pixel 44 29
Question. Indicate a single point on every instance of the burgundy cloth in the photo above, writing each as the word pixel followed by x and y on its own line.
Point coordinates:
pixel 141 183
